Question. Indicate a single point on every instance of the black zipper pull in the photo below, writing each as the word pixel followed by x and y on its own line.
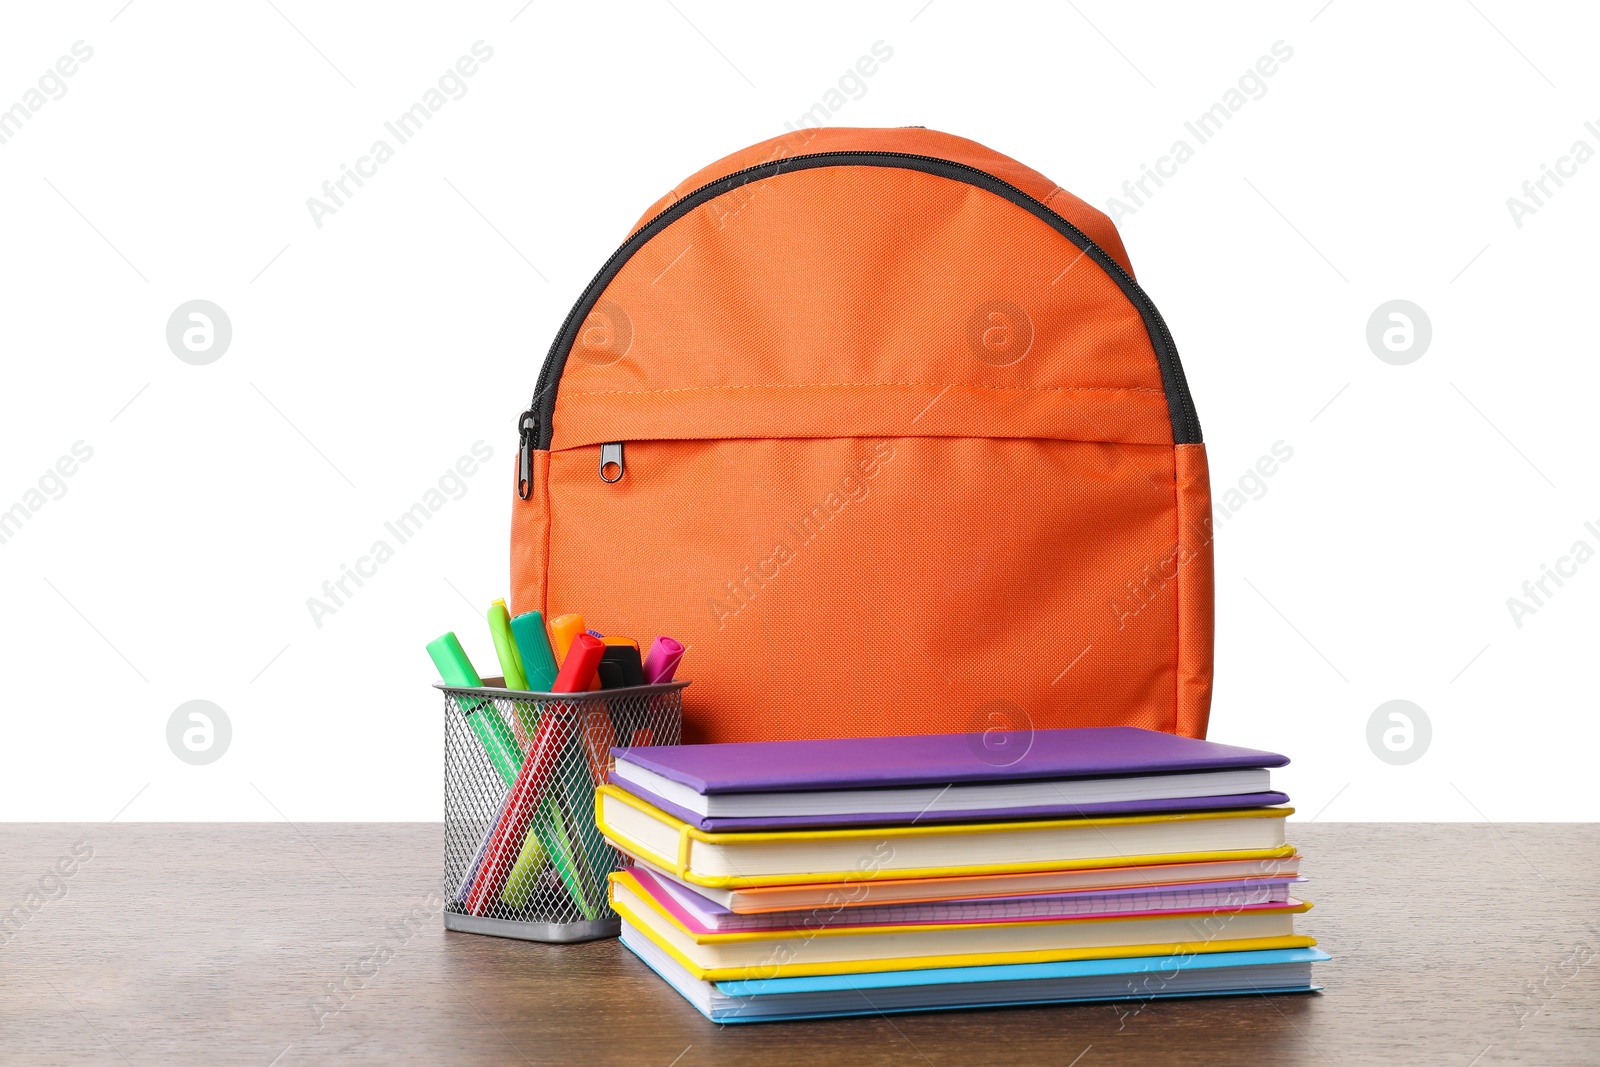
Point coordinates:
pixel 611 465
pixel 527 429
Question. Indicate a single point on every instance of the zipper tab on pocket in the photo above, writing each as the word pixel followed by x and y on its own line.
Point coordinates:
pixel 611 465
pixel 526 431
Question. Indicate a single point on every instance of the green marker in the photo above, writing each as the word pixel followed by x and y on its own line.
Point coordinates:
pixel 533 647
pixel 549 837
pixel 577 794
pixel 505 646
pixel 455 669
pixel 525 871
pixel 558 845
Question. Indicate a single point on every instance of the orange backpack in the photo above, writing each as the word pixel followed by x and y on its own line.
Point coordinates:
pixel 878 423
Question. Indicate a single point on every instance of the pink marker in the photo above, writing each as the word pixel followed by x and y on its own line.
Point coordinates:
pixel 662 662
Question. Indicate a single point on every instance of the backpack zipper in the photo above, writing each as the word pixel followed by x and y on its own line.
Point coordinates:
pixel 535 431
pixel 611 464
pixel 526 429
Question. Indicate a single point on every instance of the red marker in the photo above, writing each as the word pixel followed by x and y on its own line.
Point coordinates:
pixel 538 769
pixel 577 669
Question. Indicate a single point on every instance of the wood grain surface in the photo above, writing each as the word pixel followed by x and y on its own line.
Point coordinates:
pixel 1462 944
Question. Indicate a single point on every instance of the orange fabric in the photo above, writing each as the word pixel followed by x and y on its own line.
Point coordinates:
pixel 1195 590
pixel 862 276
pixel 898 459
pixel 1136 416
pixel 530 542
pixel 917 142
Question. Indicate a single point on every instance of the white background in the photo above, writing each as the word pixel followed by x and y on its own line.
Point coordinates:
pixel 372 352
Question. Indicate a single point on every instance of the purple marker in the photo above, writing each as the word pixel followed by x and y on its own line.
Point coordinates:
pixel 662 662
pixel 477 861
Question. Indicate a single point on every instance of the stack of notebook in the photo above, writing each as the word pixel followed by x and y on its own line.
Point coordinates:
pixel 795 879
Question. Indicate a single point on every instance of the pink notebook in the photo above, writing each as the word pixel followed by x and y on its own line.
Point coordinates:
pixel 703 916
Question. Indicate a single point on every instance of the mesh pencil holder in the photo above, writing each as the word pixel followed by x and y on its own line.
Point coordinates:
pixel 522 856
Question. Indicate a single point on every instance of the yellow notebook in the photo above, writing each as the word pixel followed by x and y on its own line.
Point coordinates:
pixel 760 954
pixel 794 857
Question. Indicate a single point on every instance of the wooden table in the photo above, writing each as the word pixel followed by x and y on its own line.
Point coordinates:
pixel 1468 945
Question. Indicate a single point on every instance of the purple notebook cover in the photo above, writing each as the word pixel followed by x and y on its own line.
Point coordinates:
pixel 733 823
pixel 807 922
pixel 937 759
pixel 704 907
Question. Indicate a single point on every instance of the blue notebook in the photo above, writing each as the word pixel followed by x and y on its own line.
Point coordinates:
pixel 950 988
